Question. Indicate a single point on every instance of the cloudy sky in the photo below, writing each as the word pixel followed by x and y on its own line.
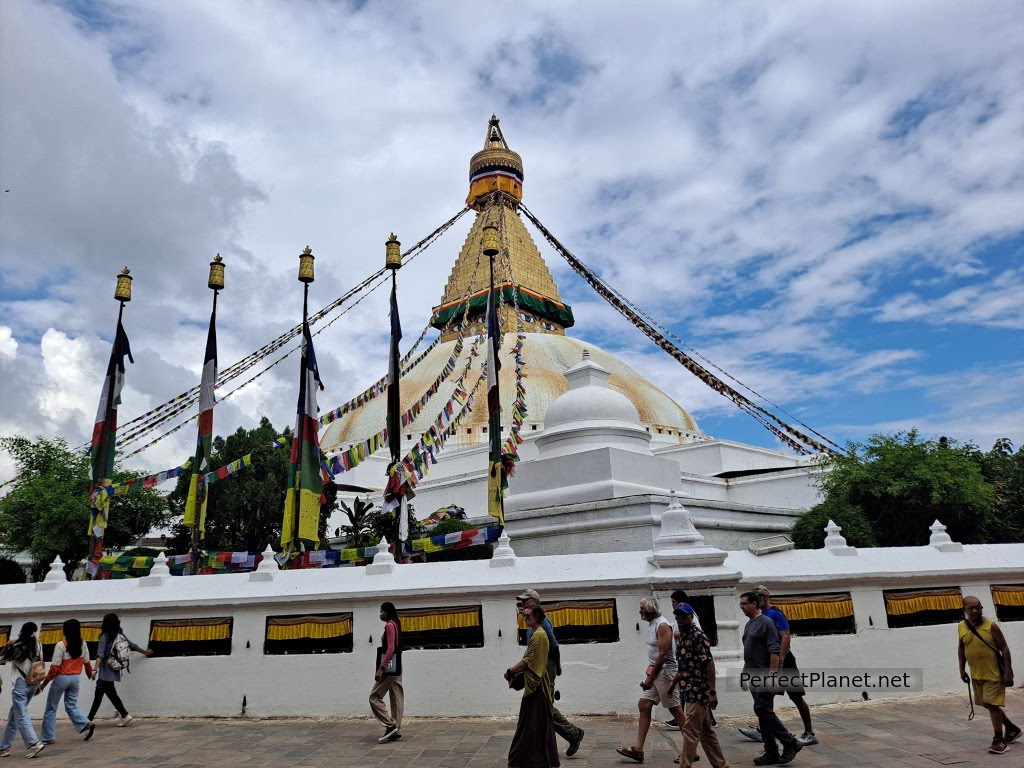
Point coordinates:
pixel 826 199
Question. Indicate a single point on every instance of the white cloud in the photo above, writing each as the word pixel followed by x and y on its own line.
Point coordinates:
pixel 8 344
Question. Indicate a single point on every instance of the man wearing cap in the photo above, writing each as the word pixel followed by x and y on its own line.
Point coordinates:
pixel 795 692
pixel 696 678
pixel 659 684
pixel 565 729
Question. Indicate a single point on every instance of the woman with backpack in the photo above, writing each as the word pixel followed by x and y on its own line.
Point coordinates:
pixel 112 657
pixel 26 656
pixel 70 657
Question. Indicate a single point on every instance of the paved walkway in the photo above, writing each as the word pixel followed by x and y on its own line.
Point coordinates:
pixel 923 733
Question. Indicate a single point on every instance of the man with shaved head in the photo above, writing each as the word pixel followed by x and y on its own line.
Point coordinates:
pixel 983 648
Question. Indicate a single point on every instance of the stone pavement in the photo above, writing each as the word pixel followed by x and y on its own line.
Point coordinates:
pixel 917 733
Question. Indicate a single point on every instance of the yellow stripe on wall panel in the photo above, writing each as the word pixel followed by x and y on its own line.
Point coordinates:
pixel 811 607
pixel 190 630
pixel 569 614
pixel 303 629
pixel 433 619
pixel 1009 596
pixel 931 600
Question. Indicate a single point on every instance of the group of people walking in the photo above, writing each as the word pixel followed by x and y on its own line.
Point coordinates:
pixel 30 675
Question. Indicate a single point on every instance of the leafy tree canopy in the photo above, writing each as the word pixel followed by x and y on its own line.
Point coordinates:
pixel 244 511
pixel 47 511
pixel 898 484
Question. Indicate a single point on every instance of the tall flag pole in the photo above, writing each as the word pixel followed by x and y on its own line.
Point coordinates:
pixel 201 464
pixel 394 498
pixel 496 482
pixel 104 432
pixel 304 494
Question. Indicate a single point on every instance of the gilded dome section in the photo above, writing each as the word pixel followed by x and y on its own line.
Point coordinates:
pixel 547 357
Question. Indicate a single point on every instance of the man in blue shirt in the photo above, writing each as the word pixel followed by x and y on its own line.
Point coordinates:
pixel 563 727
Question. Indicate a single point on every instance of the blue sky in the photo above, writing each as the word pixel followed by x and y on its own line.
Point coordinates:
pixel 831 214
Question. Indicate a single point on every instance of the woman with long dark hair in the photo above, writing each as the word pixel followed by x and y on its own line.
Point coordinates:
pixel 22 653
pixel 533 745
pixel 388 676
pixel 70 657
pixel 107 675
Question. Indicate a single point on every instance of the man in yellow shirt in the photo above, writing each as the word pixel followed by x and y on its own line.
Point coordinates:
pixel 983 647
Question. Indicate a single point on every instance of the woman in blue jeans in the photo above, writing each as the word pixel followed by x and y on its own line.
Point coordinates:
pixel 21 653
pixel 70 657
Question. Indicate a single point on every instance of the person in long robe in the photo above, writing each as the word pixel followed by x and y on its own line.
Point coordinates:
pixel 533 745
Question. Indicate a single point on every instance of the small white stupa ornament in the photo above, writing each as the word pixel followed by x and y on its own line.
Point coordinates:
pixel 942 540
pixel 835 542
pixel 679 543
pixel 268 567
pixel 383 561
pixel 158 573
pixel 55 576
pixel 503 554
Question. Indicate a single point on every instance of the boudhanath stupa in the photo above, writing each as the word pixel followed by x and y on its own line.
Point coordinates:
pixel 603 447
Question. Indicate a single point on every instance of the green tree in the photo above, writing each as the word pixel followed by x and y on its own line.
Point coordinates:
pixel 244 511
pixel 47 511
pixel 809 529
pixel 899 484
pixel 11 572
pixel 1004 469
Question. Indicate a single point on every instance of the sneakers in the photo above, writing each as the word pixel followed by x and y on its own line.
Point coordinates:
pixel 5 752
pixel 752 732
pixel 1011 735
pixel 808 739
pixel 998 747
pixel 672 725
pixel 390 734
pixel 789 752
pixel 574 745
pixel 126 720
pixel 765 759
pixel 35 749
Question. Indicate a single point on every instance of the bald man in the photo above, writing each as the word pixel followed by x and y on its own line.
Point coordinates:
pixel 983 648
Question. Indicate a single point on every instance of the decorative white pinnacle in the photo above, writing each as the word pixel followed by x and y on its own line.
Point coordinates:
pixel 835 542
pixel 383 561
pixel 942 540
pixel 679 543
pixel 268 567
pixel 160 566
pixel 503 555
pixel 56 572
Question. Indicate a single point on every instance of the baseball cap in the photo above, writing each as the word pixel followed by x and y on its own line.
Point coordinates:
pixel 683 608
pixel 528 595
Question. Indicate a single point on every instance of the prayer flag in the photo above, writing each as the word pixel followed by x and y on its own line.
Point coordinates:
pixel 305 487
pixel 197 486
pixel 496 473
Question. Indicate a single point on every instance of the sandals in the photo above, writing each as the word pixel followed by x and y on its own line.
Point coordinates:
pixel 635 755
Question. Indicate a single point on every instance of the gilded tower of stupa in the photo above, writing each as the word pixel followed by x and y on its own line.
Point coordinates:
pixel 548 352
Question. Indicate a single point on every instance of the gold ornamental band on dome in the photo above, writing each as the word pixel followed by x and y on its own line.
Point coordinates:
pixel 216 279
pixel 123 291
pixel 306 259
pixel 393 253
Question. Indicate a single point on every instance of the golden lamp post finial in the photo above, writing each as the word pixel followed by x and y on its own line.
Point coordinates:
pixel 123 291
pixel 393 253
pixel 306 265
pixel 216 281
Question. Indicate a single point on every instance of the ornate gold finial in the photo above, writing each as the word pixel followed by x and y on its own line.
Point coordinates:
pixel 123 291
pixel 393 253
pixel 495 168
pixel 490 240
pixel 216 281
pixel 306 265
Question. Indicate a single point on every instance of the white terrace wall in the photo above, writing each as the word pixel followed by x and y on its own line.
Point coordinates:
pixel 599 678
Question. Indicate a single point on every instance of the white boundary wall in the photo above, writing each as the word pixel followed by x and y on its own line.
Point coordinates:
pixel 599 678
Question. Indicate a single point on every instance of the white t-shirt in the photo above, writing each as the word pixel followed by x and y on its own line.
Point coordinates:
pixel 652 643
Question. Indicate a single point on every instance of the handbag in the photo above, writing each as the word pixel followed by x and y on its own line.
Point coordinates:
pixel 518 681
pixel 394 667
pixel 37 673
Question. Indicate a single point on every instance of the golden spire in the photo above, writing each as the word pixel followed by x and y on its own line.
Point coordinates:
pixel 494 167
